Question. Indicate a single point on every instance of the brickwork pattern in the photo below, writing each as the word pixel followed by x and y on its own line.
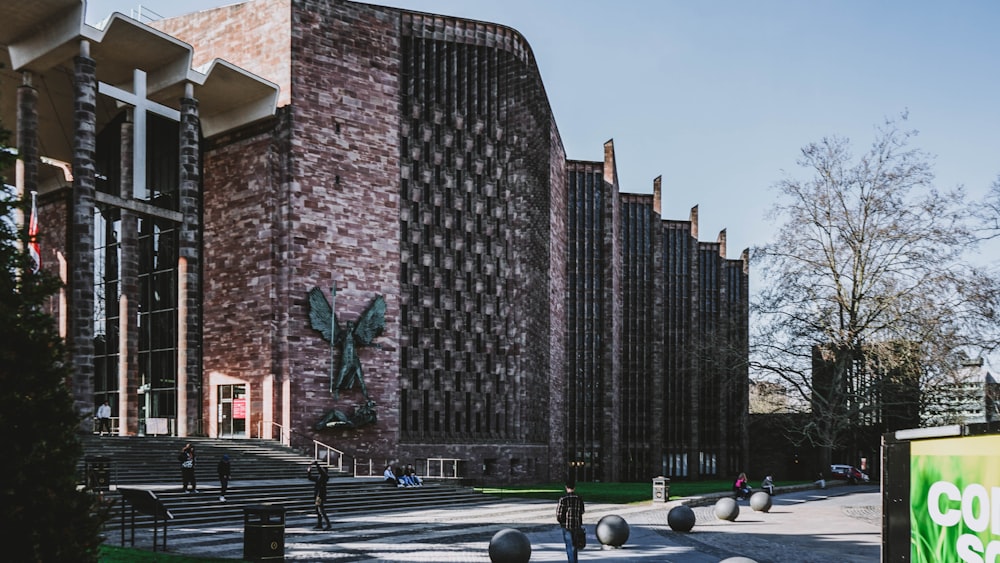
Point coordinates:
pixel 27 136
pixel 681 440
pixel 641 318
pixel 243 181
pixel 587 320
pixel 612 387
pixel 558 328
pixel 475 225
pixel 189 249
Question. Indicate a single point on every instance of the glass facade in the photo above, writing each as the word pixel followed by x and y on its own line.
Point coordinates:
pixel 155 242
pixel 107 297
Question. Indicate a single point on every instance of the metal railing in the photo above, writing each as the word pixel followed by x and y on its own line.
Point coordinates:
pixel 323 452
pixel 284 435
pixel 366 469
pixel 444 468
pixel 436 468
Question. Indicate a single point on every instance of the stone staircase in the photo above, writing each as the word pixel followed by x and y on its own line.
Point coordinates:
pixel 153 460
pixel 263 472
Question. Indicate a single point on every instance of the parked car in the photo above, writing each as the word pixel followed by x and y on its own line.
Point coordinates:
pixel 849 473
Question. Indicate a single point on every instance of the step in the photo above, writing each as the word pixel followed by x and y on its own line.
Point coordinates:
pixel 297 499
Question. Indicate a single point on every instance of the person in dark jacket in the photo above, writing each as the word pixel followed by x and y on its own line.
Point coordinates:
pixel 319 479
pixel 224 470
pixel 569 514
pixel 188 460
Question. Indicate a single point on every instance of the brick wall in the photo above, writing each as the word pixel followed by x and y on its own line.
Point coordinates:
pixel 344 202
pixel 242 242
pixel 252 35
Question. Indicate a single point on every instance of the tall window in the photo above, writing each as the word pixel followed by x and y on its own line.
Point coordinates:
pixel 157 243
pixel 107 291
pixel 158 315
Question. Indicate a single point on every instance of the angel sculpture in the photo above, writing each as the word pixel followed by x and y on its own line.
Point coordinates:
pixel 349 337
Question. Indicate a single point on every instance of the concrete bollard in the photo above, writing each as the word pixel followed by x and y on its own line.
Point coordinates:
pixel 681 518
pixel 726 508
pixel 760 501
pixel 612 530
pixel 510 546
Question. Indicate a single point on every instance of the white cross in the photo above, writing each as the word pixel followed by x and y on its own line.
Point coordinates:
pixel 142 105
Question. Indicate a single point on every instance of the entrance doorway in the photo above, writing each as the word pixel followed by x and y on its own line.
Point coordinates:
pixel 233 411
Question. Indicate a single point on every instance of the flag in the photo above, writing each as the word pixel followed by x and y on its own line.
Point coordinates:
pixel 33 248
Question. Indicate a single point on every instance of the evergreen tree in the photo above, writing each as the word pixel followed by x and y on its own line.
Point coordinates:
pixel 42 514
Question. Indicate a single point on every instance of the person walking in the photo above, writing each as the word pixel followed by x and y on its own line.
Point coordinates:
pixel 569 514
pixel 104 418
pixel 224 469
pixel 188 460
pixel 319 480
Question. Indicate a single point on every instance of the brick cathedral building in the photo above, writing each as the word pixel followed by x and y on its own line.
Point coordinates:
pixel 199 176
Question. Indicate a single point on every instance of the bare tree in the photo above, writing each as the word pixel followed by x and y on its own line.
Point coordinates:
pixel 868 278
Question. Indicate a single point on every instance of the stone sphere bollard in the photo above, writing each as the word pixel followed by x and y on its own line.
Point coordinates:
pixel 738 560
pixel 760 501
pixel 681 518
pixel 727 509
pixel 612 530
pixel 510 546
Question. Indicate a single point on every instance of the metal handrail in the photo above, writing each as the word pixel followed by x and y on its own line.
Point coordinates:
pixel 328 452
pixel 284 435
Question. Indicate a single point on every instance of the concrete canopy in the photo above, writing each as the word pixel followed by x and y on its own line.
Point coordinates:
pixel 41 38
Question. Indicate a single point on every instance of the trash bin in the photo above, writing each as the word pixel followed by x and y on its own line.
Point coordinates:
pixel 264 533
pixel 97 470
pixel 661 489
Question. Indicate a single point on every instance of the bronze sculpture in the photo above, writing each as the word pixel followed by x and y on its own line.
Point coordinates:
pixel 350 336
pixel 363 416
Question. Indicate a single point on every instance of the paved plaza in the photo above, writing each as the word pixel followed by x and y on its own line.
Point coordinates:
pixel 813 526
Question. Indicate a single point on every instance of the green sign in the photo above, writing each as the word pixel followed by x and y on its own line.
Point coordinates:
pixel 955 500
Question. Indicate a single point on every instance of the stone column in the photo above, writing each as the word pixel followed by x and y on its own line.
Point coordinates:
pixel 81 282
pixel 190 395
pixel 128 382
pixel 27 136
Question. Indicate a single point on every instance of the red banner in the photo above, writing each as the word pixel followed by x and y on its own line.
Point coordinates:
pixel 239 408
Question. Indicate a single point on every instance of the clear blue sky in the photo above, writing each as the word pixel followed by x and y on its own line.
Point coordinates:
pixel 718 97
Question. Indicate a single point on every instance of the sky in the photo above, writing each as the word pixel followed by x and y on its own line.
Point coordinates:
pixel 719 96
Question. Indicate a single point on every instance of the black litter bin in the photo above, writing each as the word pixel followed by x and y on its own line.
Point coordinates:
pixel 264 533
pixel 98 472
pixel 661 489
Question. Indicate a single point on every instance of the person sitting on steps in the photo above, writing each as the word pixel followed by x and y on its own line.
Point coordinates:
pixel 390 477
